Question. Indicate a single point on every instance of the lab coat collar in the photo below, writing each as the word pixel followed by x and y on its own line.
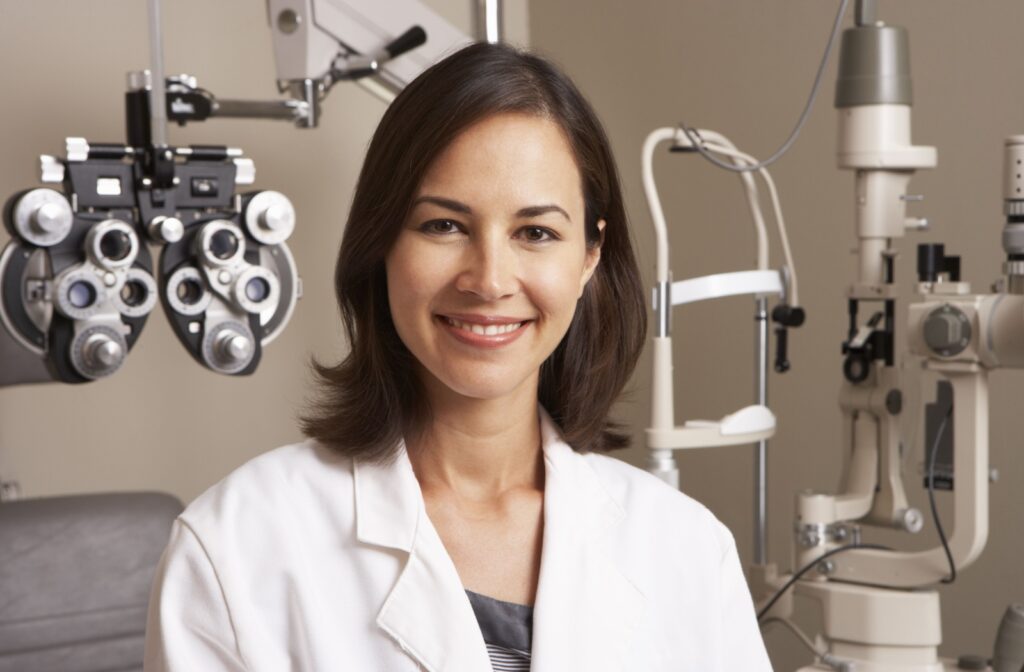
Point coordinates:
pixel 427 612
pixel 388 502
pixel 586 609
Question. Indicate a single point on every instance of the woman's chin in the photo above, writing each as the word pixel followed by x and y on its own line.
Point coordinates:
pixel 490 386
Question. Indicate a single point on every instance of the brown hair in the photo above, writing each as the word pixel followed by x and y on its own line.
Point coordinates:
pixel 372 398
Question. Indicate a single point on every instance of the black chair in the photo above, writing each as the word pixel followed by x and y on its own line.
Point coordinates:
pixel 75 576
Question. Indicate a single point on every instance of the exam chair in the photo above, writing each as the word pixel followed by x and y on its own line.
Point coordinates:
pixel 75 574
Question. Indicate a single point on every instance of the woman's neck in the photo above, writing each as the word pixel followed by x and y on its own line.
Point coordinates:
pixel 479 449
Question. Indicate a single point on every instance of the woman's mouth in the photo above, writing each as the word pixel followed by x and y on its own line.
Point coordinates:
pixel 484 331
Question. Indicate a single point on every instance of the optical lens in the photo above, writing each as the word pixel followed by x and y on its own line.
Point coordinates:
pixel 257 289
pixel 115 245
pixel 81 294
pixel 223 244
pixel 133 293
pixel 190 291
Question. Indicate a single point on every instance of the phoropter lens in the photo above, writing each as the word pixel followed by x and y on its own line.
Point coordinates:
pixel 223 244
pixel 190 291
pixel 115 245
pixel 81 294
pixel 133 293
pixel 257 289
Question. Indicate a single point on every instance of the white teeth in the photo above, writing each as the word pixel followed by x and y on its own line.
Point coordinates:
pixel 489 330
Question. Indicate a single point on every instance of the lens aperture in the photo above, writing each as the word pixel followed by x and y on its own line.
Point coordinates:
pixel 115 245
pixel 81 294
pixel 257 289
pixel 134 293
pixel 223 244
pixel 190 291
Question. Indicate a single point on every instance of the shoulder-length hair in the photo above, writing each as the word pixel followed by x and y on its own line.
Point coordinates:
pixel 372 398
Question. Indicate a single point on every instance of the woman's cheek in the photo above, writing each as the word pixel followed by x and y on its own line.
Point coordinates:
pixel 556 286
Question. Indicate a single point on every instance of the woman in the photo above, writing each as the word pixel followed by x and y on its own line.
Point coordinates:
pixel 451 509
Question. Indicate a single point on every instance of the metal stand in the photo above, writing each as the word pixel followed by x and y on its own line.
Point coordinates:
pixel 761 451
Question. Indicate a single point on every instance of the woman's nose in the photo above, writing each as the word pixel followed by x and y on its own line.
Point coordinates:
pixel 489 270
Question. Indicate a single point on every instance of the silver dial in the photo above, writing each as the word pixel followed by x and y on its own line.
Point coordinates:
pixel 228 347
pixel 98 351
pixel 43 217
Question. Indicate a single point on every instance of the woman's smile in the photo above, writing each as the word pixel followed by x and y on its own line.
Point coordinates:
pixel 484 331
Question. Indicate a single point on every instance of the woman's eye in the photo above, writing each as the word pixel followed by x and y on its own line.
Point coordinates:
pixel 440 226
pixel 537 234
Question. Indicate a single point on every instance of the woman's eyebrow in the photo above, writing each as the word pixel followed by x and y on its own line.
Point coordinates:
pixel 522 213
pixel 538 210
pixel 446 203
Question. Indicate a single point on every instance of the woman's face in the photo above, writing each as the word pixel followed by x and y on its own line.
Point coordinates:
pixel 484 277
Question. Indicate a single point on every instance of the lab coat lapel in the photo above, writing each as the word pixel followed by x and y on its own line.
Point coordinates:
pixel 427 612
pixel 586 609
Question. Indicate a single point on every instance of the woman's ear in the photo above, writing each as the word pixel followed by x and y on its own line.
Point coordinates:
pixel 593 258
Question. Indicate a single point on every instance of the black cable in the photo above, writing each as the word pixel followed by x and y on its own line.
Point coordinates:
pixel 806 568
pixel 931 496
pixel 698 144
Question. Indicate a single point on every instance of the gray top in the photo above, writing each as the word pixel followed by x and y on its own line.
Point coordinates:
pixel 507 629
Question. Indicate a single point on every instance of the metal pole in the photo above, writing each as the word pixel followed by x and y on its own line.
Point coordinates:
pixel 761 455
pixel 490 20
pixel 157 100
pixel 866 12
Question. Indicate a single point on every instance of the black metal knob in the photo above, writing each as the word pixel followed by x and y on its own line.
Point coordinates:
pixel 931 260
pixel 407 41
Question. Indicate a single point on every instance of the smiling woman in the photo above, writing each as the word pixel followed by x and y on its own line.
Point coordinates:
pixel 482 288
pixel 493 139
pixel 451 510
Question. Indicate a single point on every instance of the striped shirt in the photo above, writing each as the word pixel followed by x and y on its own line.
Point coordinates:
pixel 507 629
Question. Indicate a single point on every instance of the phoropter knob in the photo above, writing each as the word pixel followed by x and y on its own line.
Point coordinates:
pixel 229 347
pixel 42 217
pixel 98 351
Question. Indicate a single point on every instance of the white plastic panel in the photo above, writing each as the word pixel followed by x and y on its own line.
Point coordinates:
pixel 721 285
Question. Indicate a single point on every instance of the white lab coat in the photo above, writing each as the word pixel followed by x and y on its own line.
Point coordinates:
pixel 304 560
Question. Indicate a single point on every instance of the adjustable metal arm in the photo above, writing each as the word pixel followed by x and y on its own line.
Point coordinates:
pixel 187 102
pixel 357 67
pixel 324 40
pixel 926 568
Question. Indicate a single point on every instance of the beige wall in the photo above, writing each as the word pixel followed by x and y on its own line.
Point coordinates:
pixel 744 67
pixel 163 422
